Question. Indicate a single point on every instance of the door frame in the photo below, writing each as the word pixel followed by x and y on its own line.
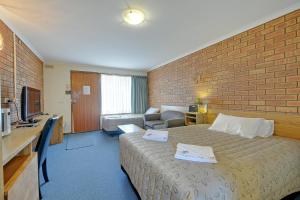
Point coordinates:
pixel 99 96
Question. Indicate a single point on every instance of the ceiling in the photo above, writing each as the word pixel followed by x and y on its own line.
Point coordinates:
pixel 92 32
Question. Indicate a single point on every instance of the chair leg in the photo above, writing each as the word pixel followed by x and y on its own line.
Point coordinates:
pixel 40 194
pixel 45 173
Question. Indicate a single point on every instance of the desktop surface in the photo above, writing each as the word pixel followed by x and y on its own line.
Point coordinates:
pixel 19 138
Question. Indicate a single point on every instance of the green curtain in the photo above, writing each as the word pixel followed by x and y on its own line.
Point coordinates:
pixel 139 94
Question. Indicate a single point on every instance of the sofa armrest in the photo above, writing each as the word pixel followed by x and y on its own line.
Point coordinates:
pixel 174 123
pixel 152 117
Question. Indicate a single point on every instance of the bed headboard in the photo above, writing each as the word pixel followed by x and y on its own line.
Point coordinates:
pixel 286 125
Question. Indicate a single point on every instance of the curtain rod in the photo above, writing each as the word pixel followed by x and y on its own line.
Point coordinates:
pixel 122 74
pixel 114 74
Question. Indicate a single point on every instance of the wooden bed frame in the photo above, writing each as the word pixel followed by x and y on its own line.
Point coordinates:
pixel 286 125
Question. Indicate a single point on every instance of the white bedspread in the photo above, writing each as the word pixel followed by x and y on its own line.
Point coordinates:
pixel 247 169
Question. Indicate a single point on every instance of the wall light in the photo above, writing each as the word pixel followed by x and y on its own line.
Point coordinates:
pixel 133 16
pixel 202 108
pixel 1 42
pixel 202 105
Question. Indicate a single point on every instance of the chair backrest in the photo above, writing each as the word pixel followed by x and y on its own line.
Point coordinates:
pixel 182 109
pixel 171 114
pixel 44 139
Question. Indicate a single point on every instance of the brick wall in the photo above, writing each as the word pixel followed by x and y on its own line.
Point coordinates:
pixel 29 68
pixel 6 62
pixel 257 70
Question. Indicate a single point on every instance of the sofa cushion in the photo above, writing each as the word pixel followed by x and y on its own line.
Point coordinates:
pixel 152 117
pixel 170 114
pixel 160 126
pixel 152 110
pixel 152 124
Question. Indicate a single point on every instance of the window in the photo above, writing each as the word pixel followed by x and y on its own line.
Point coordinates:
pixel 115 94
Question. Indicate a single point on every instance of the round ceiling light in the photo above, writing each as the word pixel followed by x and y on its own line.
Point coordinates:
pixel 133 16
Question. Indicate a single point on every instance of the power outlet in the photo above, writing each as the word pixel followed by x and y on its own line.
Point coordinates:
pixel 8 100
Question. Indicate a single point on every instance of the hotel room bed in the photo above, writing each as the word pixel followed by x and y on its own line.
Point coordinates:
pixel 260 168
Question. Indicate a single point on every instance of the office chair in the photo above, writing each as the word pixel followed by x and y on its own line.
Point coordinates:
pixel 42 147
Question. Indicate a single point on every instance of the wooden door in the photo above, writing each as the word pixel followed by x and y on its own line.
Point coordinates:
pixel 85 101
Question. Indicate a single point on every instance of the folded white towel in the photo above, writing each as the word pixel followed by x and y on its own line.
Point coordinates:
pixel 155 135
pixel 195 153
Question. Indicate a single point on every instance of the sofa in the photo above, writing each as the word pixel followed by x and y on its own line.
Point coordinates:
pixel 166 119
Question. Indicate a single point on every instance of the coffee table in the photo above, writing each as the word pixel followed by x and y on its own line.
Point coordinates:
pixel 130 128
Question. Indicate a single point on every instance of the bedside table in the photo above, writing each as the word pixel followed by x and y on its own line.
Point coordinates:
pixel 192 118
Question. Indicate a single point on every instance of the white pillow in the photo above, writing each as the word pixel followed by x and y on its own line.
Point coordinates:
pixel 250 127
pixel 224 123
pixel 266 129
pixel 245 127
pixel 152 110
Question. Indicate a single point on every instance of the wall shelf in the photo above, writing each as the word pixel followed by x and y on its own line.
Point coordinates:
pixel 19 172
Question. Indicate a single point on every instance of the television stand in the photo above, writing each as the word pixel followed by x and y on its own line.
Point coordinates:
pixel 29 123
pixel 26 124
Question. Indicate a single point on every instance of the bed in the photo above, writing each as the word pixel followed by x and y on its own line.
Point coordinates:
pixel 111 122
pixel 260 168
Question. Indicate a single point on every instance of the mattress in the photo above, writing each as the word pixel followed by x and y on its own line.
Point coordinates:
pixel 260 168
pixel 111 122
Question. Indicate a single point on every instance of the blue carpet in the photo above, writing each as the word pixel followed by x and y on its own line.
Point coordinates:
pixel 86 173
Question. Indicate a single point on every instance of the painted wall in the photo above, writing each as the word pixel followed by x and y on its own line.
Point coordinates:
pixel 57 81
pixel 256 70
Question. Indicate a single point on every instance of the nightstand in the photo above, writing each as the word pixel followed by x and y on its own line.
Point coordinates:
pixel 192 118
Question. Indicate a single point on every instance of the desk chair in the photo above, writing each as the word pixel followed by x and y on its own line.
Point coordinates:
pixel 42 147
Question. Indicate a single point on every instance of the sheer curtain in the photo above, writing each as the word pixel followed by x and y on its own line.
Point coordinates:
pixel 115 94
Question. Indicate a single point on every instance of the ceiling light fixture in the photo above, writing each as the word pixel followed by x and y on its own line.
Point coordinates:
pixel 133 16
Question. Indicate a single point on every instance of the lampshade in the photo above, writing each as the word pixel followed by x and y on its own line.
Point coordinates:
pixel 133 16
pixel 202 108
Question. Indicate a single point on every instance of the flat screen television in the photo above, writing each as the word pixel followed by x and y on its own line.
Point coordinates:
pixel 30 103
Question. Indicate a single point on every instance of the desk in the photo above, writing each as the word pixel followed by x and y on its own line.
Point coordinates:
pixel 20 139
pixel 20 162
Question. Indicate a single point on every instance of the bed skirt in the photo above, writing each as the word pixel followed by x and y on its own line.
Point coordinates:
pixel 134 189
